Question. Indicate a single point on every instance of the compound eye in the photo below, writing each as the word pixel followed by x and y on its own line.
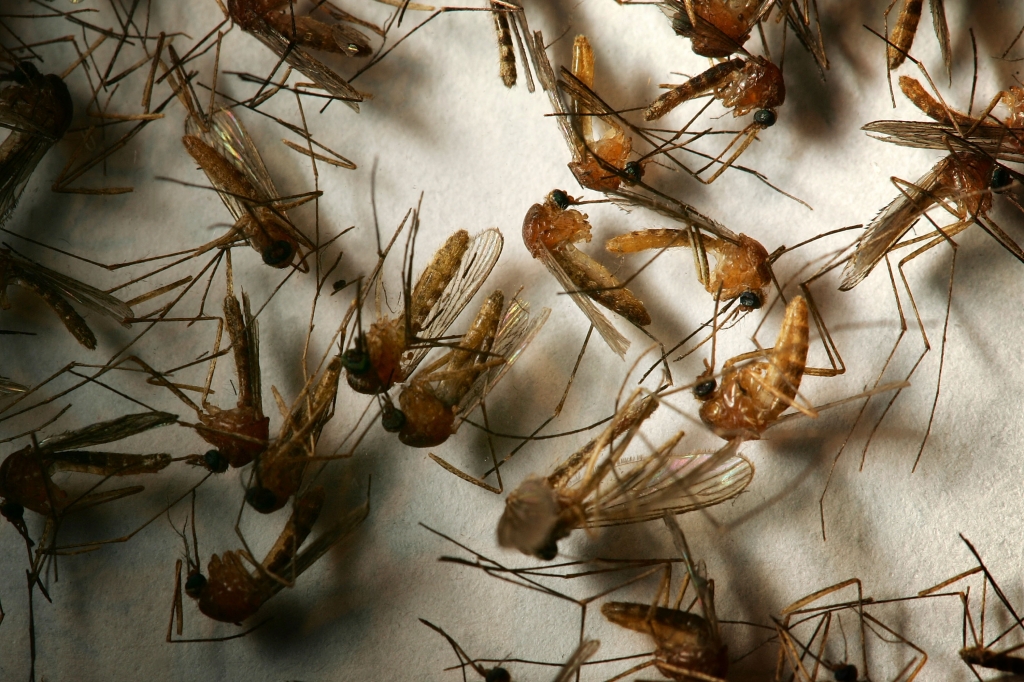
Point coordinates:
pixel 12 511
pixel 633 172
pixel 845 673
pixel 749 299
pixel 261 499
pixel 392 419
pixel 560 198
pixel 1001 179
pixel 278 253
pixel 194 585
pixel 704 389
pixel 548 552
pixel 215 461
pixel 497 675
pixel 765 117
pixel 356 361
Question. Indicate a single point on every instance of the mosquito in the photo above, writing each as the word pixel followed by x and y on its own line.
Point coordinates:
pixel 391 349
pixel 544 510
pixel 437 399
pixel 37 109
pixel 903 33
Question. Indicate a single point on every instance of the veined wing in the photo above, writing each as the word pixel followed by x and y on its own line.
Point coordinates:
pixel 891 224
pixel 108 431
pixel 20 153
pixel 672 208
pixel 615 340
pixel 318 72
pixel 583 652
pixel 10 387
pixel 671 483
pixel 477 262
pixel 546 75
pixel 1000 142
pixel 514 334
pixel 80 292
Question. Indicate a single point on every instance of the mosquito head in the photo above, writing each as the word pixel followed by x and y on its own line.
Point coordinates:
pixel 704 389
pixel 339 285
pixel 1001 179
pixel 12 511
pixel 845 672
pixel 633 172
pixel 751 300
pixel 215 462
pixel 278 254
pixel 548 552
pixel 261 499
pixel 356 361
pixel 392 418
pixel 24 73
pixel 560 198
pixel 194 584
pixel 497 675
pixel 765 117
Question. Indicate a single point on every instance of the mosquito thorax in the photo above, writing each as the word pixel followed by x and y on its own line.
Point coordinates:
pixel 278 253
pixel 765 117
pixel 497 675
pixel 1001 179
pixel 751 300
pixel 633 172
pixel 261 499
pixel 12 511
pixel 194 584
pixel 215 462
pixel 704 389
pixel 560 198
pixel 845 673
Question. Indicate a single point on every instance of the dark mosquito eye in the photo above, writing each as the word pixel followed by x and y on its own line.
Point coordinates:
pixel 261 499
pixel 12 511
pixel 845 673
pixel 705 388
pixel 215 461
pixel 392 419
pixel 278 253
pixel 548 552
pixel 497 675
pixel 340 284
pixel 560 198
pixel 748 299
pixel 356 361
pixel 1001 178
pixel 633 171
pixel 765 117
pixel 194 585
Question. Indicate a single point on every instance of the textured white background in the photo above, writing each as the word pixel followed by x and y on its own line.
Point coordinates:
pixel 441 124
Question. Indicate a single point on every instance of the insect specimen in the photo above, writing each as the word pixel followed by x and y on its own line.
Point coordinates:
pixel 436 400
pixel 230 592
pixel 287 35
pixel 58 291
pixel 741 268
pixel 222 148
pixel 903 33
pixel 544 510
pixel 391 349
pixel 716 28
pixel 510 22
pixel 37 109
pixel 549 232
pixel 26 475
pixel 746 84
pixel 687 646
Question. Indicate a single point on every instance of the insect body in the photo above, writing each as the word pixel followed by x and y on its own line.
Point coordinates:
pixel 716 28
pixel 742 85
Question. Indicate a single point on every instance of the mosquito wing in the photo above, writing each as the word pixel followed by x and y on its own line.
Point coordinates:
pixel 546 75
pixel 477 262
pixel 9 387
pixel 671 483
pixel 108 431
pixel 318 72
pixel 20 153
pixel 514 334
pixel 583 652
pixel 80 292
pixel 626 199
pixel 1005 144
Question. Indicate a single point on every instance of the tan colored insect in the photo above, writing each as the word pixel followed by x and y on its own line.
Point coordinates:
pixel 549 232
pixel 903 33
pixel 589 489
pixel 716 28
pixel 437 399
pixel 391 349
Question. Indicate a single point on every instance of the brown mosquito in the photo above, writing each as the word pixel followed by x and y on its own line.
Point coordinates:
pixel 903 33
pixel 438 398
pixel 37 109
pixel 58 291
pixel 510 23
pixel 590 489
pixel 390 350
pixel 230 592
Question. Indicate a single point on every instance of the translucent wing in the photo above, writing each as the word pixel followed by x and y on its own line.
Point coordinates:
pixel 514 334
pixel 108 431
pixel 615 340
pixel 80 292
pixel 583 652
pixel 318 72
pixel 20 153
pixel 546 75
pixel 477 262
pixel 672 208
pixel 8 387
pixel 890 225
pixel 1005 144
pixel 671 483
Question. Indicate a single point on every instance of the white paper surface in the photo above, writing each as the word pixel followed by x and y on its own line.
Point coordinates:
pixel 442 126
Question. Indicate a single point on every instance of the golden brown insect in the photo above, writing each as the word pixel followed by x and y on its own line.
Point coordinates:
pixel 276 25
pixel 549 232
pixel 437 399
pixel 37 109
pixel 687 646
pixel 903 33
pixel 716 28
pixel 391 349
pixel 26 475
pixel 222 148
pixel 230 592
pixel 590 490
pixel 741 269
pixel 57 291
